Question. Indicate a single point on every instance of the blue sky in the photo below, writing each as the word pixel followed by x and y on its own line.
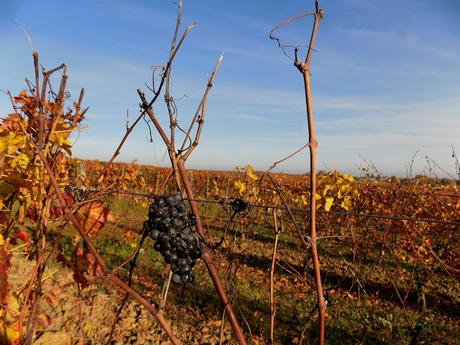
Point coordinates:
pixel 385 77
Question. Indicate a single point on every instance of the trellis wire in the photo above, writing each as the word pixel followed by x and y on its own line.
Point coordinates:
pixel 305 210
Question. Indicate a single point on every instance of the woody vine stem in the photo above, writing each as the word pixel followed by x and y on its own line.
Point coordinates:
pixel 304 69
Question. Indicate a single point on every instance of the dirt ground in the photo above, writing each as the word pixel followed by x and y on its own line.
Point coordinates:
pixel 69 319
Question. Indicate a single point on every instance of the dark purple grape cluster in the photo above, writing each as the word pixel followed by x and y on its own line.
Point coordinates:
pixel 170 226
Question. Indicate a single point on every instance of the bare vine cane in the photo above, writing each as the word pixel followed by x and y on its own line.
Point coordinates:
pixel 199 116
pixel 180 157
pixel 304 69
pixel 170 104
pixel 272 280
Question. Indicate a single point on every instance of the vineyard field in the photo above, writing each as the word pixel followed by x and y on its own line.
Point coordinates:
pixel 381 277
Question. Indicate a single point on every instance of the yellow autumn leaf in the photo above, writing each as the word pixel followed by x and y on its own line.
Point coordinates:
pixel 250 172
pixel 14 142
pixel 88 328
pixel 240 187
pixel 346 203
pixel 345 188
pixel 305 199
pixel 60 138
pixel 12 334
pixel 328 203
pixel 13 307
pixel 348 177
pixel 20 161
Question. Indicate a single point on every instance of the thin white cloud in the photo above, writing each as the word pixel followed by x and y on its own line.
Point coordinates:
pixel 255 118
pixel 396 39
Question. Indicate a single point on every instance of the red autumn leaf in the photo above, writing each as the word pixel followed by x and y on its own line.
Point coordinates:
pixel 22 235
pixel 11 122
pixel 57 211
pixel 22 97
pixel 85 267
pixel 68 198
pixel 32 212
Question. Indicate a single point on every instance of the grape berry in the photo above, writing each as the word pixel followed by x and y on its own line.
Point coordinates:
pixel 170 227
